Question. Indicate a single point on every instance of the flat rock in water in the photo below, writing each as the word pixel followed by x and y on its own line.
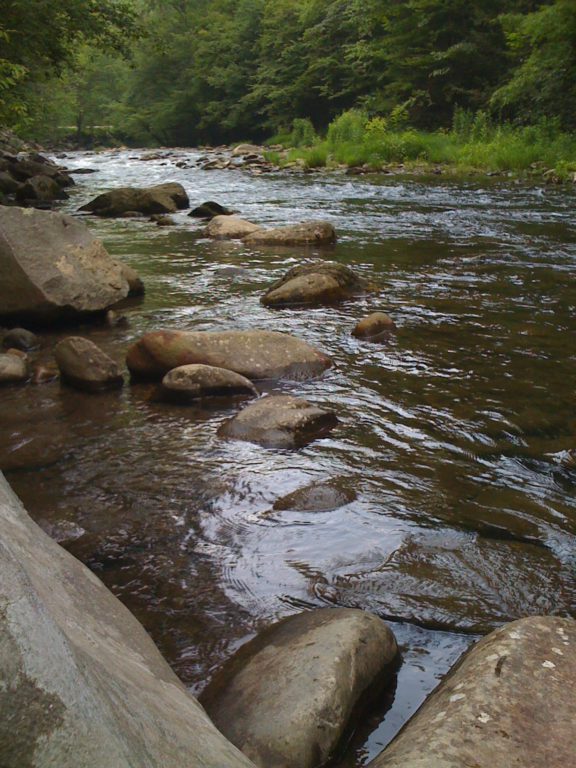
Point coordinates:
pixel 316 283
pixel 13 369
pixel 279 421
pixel 307 233
pixel 254 354
pixel 230 228
pixel 189 382
pixel 85 366
pixel 53 267
pixel 374 326
pixel 509 702
pixel 287 697
pixel 162 198
pixel 320 497
pixel 83 683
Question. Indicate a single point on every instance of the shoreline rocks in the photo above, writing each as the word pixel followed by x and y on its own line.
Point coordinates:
pixel 287 697
pixel 279 421
pixel 53 267
pixel 254 354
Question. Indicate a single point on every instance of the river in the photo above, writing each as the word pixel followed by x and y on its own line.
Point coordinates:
pixel 454 434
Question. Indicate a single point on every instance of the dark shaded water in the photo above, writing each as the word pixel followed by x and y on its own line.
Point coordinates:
pixel 453 434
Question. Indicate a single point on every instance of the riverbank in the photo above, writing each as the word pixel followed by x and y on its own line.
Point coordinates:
pixel 473 146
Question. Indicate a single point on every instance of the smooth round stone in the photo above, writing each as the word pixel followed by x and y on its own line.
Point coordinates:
pixel 20 338
pixel 314 284
pixel 374 326
pixel 189 382
pixel 85 366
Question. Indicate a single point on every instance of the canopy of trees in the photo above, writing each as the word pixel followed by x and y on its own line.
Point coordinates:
pixel 219 70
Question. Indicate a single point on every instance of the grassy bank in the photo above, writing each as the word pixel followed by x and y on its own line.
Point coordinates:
pixel 474 143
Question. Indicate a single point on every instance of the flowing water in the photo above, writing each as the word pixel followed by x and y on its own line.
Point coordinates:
pixel 454 435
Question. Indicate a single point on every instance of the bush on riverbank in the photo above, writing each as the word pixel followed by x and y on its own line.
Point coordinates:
pixel 473 142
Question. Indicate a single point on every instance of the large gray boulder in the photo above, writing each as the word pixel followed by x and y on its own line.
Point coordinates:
pixel 314 284
pixel 162 198
pixel 510 702
pixel 280 421
pixel 287 697
pixel 306 233
pixel 52 266
pixel 81 683
pixel 253 354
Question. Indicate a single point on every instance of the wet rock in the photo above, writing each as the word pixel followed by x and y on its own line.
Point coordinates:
pixel 254 354
pixel 62 531
pixel 307 233
pixel 164 221
pixel 317 283
pixel 20 338
pixel 84 685
pixel 189 382
pixel 287 697
pixel 374 327
pixel 246 149
pixel 44 374
pixel 116 320
pixel 162 198
pixel 85 366
pixel 13 369
pixel 8 183
pixel 135 283
pixel 280 421
pixel 42 189
pixel 53 267
pixel 209 210
pixel 320 497
pixel 509 702
pixel 230 228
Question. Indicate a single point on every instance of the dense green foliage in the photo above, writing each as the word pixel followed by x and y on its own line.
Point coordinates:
pixel 224 70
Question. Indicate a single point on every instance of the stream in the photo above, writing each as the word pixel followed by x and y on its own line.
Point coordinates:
pixel 455 434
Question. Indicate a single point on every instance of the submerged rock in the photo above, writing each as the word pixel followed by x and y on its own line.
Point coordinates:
pixel 189 382
pixel 374 326
pixel 288 696
pixel 230 228
pixel 509 702
pixel 135 283
pixel 162 198
pixel 253 354
pixel 53 267
pixel 83 683
pixel 307 233
pixel 85 366
pixel 280 421
pixel 320 497
pixel 317 283
pixel 20 338
pixel 13 369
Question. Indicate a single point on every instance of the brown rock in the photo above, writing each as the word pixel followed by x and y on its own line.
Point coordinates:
pixel 307 233
pixel 319 497
pixel 509 702
pixel 279 421
pixel 162 198
pixel 85 366
pixel 13 369
pixel 287 698
pixel 42 189
pixel 253 354
pixel 230 228
pixel 375 326
pixel 317 283
pixel 189 382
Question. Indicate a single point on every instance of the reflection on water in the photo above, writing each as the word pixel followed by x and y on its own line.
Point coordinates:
pixel 451 434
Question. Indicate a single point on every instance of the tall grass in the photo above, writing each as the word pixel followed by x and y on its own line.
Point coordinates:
pixel 473 142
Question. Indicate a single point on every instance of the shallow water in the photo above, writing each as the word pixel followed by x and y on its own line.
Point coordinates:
pixel 452 434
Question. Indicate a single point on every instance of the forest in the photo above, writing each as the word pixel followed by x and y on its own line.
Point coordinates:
pixel 399 79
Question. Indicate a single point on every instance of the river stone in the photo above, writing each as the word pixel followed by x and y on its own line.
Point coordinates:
pixel 373 326
pixel 162 198
pixel 13 369
pixel 82 682
pixel 20 338
pixel 52 266
pixel 135 283
pixel 209 210
pixel 85 366
pixel 509 702
pixel 320 497
pixel 246 149
pixel 317 283
pixel 253 354
pixel 287 697
pixel 279 421
pixel 8 183
pixel 43 189
pixel 307 233
pixel 230 228
pixel 189 382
